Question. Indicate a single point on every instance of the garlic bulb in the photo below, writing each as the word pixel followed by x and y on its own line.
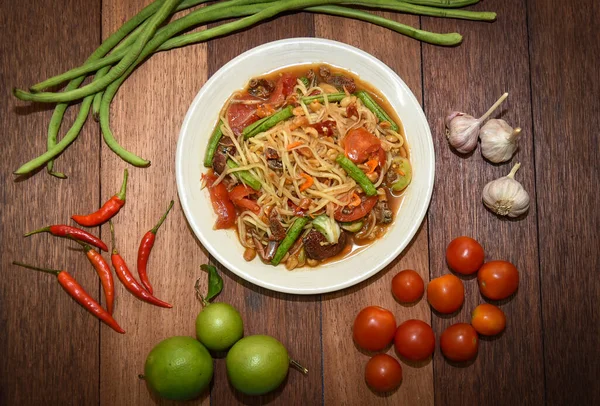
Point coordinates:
pixel 506 196
pixel 462 130
pixel 498 140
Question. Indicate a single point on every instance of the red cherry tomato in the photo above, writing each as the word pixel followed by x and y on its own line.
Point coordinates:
pixel 488 319
pixel 414 340
pixel 360 144
pixel 283 88
pixel 221 203
pixel 383 373
pixel 464 255
pixel 498 279
pixel 459 342
pixel 374 328
pixel 446 294
pixel 238 196
pixel 241 115
pixel 407 286
pixel 366 205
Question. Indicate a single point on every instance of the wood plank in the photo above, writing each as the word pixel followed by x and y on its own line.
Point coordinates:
pixel 49 344
pixel 340 309
pixel 565 55
pixel 146 117
pixel 492 59
pixel 294 320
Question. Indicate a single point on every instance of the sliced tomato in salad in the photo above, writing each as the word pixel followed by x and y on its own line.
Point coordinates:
pixel 241 115
pixel 283 88
pixel 324 127
pixel 360 145
pixel 239 197
pixel 346 214
pixel 221 203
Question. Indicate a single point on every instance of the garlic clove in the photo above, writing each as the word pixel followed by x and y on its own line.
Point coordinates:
pixel 499 141
pixel 463 129
pixel 506 196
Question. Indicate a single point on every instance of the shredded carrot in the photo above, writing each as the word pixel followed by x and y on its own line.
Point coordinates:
pixel 307 183
pixel 372 164
pixel 294 145
pixel 355 200
pixel 401 172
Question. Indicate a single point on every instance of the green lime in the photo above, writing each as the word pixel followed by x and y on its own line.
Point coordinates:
pixel 219 326
pixel 178 368
pixel 257 364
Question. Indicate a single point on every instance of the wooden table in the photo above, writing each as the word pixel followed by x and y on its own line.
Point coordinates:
pixel 546 55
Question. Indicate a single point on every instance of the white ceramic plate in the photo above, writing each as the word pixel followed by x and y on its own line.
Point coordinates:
pixel 201 119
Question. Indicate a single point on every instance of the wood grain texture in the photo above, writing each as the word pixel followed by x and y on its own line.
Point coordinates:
pixel 565 55
pixel 46 338
pixel 146 116
pixel 344 375
pixel 293 320
pixel 492 59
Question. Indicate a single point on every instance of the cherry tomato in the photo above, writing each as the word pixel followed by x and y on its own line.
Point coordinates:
pixel 464 255
pixel 414 340
pixel 446 294
pixel 283 88
pixel 459 342
pixel 383 373
pixel 238 196
pixel 360 144
pixel 358 212
pixel 488 319
pixel 222 205
pixel 374 328
pixel 498 279
pixel 407 286
pixel 241 115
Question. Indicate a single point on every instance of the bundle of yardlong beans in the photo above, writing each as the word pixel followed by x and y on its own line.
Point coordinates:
pixel 145 34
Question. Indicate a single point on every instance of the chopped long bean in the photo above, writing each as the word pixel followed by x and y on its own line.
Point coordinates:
pixel 332 97
pixel 245 176
pixel 355 173
pixel 376 109
pixel 213 143
pixel 289 240
pixel 270 122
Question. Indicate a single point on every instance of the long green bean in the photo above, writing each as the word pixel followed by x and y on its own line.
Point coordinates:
pixel 290 238
pixel 134 51
pixel 355 173
pixel 376 109
pixel 270 122
pixel 245 176
pixel 332 97
pixel 213 143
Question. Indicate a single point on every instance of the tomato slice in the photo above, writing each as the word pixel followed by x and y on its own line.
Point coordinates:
pixel 283 88
pixel 242 115
pixel 238 196
pixel 360 144
pixel 358 212
pixel 221 203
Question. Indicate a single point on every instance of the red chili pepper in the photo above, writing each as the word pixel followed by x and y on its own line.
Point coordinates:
pixel 145 248
pixel 80 295
pixel 127 278
pixel 61 230
pixel 107 211
pixel 103 270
